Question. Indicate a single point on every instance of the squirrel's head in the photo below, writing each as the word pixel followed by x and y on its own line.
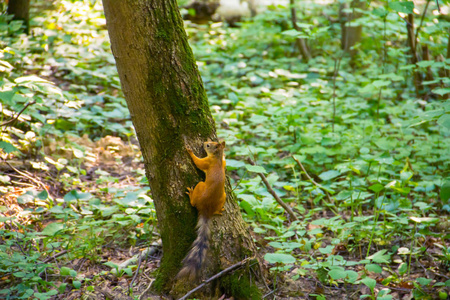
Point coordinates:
pixel 214 148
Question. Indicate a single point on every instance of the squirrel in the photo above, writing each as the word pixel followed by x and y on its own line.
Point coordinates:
pixel 209 198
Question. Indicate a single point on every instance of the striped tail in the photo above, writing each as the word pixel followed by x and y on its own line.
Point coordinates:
pixel 193 261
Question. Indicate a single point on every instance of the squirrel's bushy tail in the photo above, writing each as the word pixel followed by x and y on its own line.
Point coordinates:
pixel 193 261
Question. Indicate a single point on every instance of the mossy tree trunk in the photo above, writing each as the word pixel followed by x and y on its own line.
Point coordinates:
pixel 168 107
pixel 21 11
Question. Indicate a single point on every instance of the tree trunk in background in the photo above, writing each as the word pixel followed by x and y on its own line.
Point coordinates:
pixel 350 34
pixel 168 107
pixel 21 11
pixel 414 58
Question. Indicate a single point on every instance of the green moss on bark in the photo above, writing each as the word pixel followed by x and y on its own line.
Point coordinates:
pixel 239 286
pixel 171 261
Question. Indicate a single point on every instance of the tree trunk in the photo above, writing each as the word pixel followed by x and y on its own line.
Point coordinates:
pixel 414 59
pixel 169 109
pixel 301 43
pixel 350 34
pixel 21 11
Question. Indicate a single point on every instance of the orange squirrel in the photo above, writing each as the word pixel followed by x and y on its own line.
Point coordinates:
pixel 208 197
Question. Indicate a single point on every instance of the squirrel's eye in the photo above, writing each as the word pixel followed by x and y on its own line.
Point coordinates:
pixel 207 145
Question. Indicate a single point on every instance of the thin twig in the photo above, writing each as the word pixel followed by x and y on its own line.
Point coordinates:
pixel 146 290
pixel 315 183
pixel 286 207
pixel 141 258
pixel 18 115
pixel 38 183
pixel 48 259
pixel 218 275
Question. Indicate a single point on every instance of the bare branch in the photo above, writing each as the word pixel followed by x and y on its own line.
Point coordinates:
pixel 312 180
pixel 218 275
pixel 286 207
pixel 18 115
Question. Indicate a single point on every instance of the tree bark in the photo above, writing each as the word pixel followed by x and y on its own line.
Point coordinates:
pixel 301 43
pixel 414 58
pixel 21 11
pixel 350 34
pixel 169 108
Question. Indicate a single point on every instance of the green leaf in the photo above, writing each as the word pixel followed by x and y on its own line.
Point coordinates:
pixel 445 191
pixel 405 7
pixel 76 284
pixel 255 169
pixel 441 91
pixel 424 281
pixel 31 78
pixel 374 268
pixel 444 121
pixel 74 195
pixel 7 147
pixel 403 268
pixel 6 96
pixel 62 287
pixel 128 271
pixel 376 187
pixel 329 175
pixel 43 195
pixel 424 220
pixel 47 295
pixel 235 164
pixel 380 257
pixel 20 274
pixel 64 271
pixel 291 32
pixel 369 282
pixel 52 228
pixel 274 258
pixel 111 265
pixel 352 276
pixel 337 273
pixel 381 83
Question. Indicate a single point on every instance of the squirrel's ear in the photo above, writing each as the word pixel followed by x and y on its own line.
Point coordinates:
pixel 209 140
pixel 223 144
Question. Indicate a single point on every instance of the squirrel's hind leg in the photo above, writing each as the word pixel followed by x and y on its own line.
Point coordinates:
pixel 196 193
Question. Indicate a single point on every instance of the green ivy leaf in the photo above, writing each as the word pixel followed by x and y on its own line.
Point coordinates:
pixel 52 228
pixel 329 175
pixel 374 268
pixel 6 96
pixel 444 121
pixel 403 268
pixel 7 147
pixel 424 281
pixel 380 257
pixel 445 191
pixel 405 7
pixel 76 284
pixel 376 187
pixel 337 273
pixel 255 169
pixel 369 282
pixel 282 258
pixel 441 91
